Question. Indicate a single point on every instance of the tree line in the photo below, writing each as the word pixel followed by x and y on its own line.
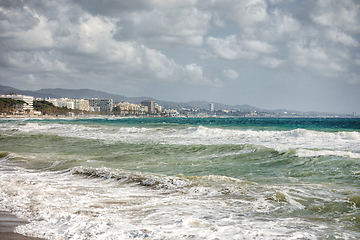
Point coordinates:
pixel 47 108
pixel 9 106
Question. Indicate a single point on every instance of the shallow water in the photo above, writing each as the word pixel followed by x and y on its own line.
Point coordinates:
pixel 179 178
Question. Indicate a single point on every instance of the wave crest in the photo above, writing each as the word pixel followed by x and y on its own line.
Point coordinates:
pixel 123 176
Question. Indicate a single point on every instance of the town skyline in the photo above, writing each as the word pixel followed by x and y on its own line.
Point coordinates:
pixel 60 97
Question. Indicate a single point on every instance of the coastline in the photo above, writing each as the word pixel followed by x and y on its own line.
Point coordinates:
pixel 117 116
pixel 8 223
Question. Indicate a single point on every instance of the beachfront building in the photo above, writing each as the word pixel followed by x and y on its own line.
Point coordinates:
pixel 66 102
pixel 62 102
pixel 50 100
pixel 158 108
pixel 82 104
pixel 28 106
pixel 211 107
pixel 127 108
pixel 54 101
pixel 149 104
pixel 101 105
pixel 171 112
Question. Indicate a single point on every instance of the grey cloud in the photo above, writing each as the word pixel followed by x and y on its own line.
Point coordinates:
pixel 232 74
pixel 230 48
pixel 11 3
pixel 90 40
pixel 194 75
pixel 271 62
pixel 116 45
pixel 282 40
pixel 15 18
pixel 180 26
pixel 114 8
pixel 342 15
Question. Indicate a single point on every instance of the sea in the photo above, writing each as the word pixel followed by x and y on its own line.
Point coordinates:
pixel 182 178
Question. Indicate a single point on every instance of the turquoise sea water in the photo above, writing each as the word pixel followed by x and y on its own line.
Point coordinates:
pixel 182 178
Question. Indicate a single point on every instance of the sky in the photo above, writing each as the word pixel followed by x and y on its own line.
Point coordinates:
pixel 273 54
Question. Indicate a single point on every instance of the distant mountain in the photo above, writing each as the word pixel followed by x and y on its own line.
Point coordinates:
pixel 88 93
pixel 7 90
pixel 205 105
pixel 71 93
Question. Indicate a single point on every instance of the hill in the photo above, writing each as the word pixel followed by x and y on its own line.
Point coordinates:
pixel 88 93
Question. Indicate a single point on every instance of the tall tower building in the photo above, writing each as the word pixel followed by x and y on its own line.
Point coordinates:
pixel 149 104
pixel 211 107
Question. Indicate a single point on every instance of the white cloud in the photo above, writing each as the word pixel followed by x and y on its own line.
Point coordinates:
pixel 271 62
pixel 280 27
pixel 229 48
pixel 279 1
pixel 250 12
pixel 194 75
pixel 342 15
pixel 186 25
pixel 280 38
pixel 320 60
pixel 162 67
pixel 94 34
pixel 39 36
pixel 244 13
pixel 37 61
pixel 15 20
pixel 232 74
pixel 130 44
pixel 258 46
pixel 89 46
pixel 218 21
pixel 341 37
pixel 204 54
pixel 232 47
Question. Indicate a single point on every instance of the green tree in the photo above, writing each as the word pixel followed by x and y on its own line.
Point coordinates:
pixel 8 105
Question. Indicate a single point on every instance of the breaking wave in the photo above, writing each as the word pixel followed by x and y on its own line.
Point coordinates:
pixel 305 142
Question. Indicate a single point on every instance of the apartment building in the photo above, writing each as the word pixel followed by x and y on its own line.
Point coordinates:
pixel 149 104
pixel 82 104
pixel 101 105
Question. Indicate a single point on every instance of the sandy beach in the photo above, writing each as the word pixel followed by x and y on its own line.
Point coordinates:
pixel 8 223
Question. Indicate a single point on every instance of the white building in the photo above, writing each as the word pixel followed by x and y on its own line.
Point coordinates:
pixel 82 104
pixel 66 102
pixel 103 105
pixel 54 101
pixel 29 101
pixel 149 104
pixel 211 107
pixel 171 112
pixel 158 108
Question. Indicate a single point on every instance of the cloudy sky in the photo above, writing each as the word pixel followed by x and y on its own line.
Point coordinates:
pixel 294 54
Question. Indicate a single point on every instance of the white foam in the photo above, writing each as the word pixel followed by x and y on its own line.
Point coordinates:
pixel 67 206
pixel 319 153
pixel 281 141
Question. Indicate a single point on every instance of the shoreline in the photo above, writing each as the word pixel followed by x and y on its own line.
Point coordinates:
pixel 117 116
pixel 8 223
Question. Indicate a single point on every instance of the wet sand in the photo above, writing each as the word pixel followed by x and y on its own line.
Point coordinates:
pixel 8 223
